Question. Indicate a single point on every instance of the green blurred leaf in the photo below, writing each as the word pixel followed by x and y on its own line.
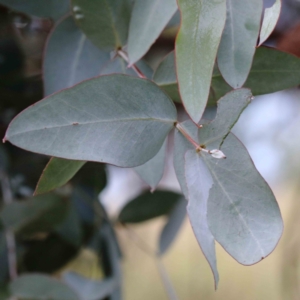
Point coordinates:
pixel 239 40
pixel 171 228
pixel 165 77
pixel 90 289
pixel 38 214
pixel 115 119
pixel 199 182
pixel 41 287
pixel 148 206
pixel 54 9
pixel 57 173
pixel 4 293
pixel 148 19
pixel 70 57
pixel 105 22
pixel 3 260
pixel 118 65
pixel 202 23
pixel 181 146
pixel 270 20
pixel 153 170
pixel 230 108
pixel 243 214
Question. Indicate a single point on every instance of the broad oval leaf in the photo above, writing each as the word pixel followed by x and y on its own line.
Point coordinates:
pixel 148 206
pixel 199 182
pixel 148 19
pixel 153 170
pixel 38 214
pixel 239 40
pixel 40 287
pixel 202 24
pixel 270 20
pixel 54 9
pixel 230 108
pixel 70 57
pixel 57 173
pixel 181 146
pixel 171 228
pixel 165 77
pixel 90 289
pixel 117 119
pixel 243 214
pixel 105 22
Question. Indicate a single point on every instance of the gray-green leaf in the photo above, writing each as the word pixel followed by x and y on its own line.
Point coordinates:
pixel 70 57
pixel 41 287
pixel 230 108
pixel 243 214
pixel 105 22
pixel 117 119
pixel 239 40
pixel 153 170
pixel 57 173
pixel 270 20
pixel 202 24
pixel 199 182
pixel 149 18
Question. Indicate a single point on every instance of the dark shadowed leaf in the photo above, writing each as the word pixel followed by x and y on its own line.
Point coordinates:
pixel 148 206
pixel 90 289
pixel 118 65
pixel 270 20
pixel 239 40
pixel 199 182
pixel 3 260
pixel 57 173
pixel 70 57
pixel 105 22
pixel 230 108
pixel 38 214
pixel 172 227
pixel 116 119
pixel 153 170
pixel 149 18
pixel 41 287
pixel 243 214
pixel 181 146
pixel 202 24
pixel 54 9
pixel 165 77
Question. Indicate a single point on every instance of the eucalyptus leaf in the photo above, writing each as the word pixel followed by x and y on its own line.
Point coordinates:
pixel 41 287
pixel 105 22
pixel 270 20
pixel 199 182
pixel 230 108
pixel 70 57
pixel 148 206
pixel 57 173
pixel 165 77
pixel 202 24
pixel 118 65
pixel 148 19
pixel 243 214
pixel 90 289
pixel 239 40
pixel 153 170
pixel 115 119
pixel 171 228
pixel 54 9
pixel 38 214
pixel 181 146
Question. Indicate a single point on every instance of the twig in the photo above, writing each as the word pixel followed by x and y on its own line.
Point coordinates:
pixel 10 238
pixel 122 54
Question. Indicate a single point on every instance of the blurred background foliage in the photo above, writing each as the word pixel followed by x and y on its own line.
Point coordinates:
pixel 70 229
